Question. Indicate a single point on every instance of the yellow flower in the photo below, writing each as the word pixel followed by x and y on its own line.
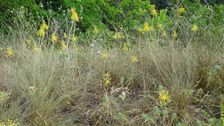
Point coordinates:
pixel 10 52
pixel 54 37
pixel 42 31
pixel 44 25
pixel 74 38
pixel 125 47
pixel 4 96
pixel 74 15
pixel 181 10
pixel 118 35
pixel 153 11
pixel 164 97
pixel 134 59
pixel 107 80
pixel 194 28
pixel 65 36
pixel 95 29
pixel 105 56
pixel 1 49
pixel 146 28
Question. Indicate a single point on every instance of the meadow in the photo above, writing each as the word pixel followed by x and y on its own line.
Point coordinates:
pixel 166 71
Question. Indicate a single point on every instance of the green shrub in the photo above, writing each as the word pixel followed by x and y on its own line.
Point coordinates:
pixel 126 14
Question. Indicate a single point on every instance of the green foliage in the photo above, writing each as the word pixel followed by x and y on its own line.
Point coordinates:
pixel 115 14
pixel 51 4
pixel 87 9
pixel 8 7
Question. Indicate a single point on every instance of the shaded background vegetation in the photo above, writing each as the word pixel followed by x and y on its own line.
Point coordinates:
pixel 114 14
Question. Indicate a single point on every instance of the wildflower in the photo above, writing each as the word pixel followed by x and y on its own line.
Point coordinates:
pixel 107 80
pixel 105 56
pixel 125 47
pixel 54 37
pixel 74 15
pixel 153 11
pixel 10 52
pixel 146 28
pixel 42 31
pixel 194 28
pixel 65 36
pixel 74 38
pixel 4 96
pixel 44 25
pixel 134 59
pixel 118 35
pixel 164 97
pixel 95 29
pixel 181 10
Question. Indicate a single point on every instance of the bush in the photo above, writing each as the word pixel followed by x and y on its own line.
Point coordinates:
pixel 115 14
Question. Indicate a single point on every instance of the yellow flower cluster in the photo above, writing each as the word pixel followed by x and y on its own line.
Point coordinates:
pixel 181 10
pixel 107 80
pixel 146 28
pixel 104 55
pixel 164 97
pixel 74 38
pixel 54 37
pixel 42 31
pixel 118 35
pixel 74 15
pixel 134 59
pixel 10 52
pixel 153 10
pixel 194 28
pixel 95 29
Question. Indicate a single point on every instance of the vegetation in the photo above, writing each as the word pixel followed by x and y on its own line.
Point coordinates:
pixel 104 63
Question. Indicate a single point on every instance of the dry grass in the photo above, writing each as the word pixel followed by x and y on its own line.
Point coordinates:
pixel 66 87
